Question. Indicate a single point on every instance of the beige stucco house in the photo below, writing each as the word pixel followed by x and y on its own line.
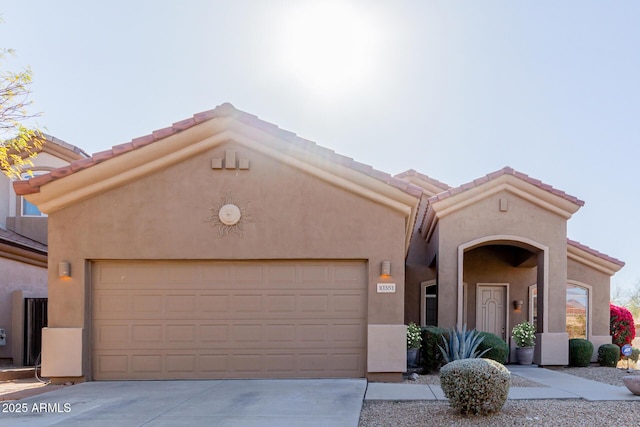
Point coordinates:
pixel 225 247
pixel 23 253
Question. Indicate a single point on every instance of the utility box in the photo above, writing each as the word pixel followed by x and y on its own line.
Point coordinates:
pixel 3 337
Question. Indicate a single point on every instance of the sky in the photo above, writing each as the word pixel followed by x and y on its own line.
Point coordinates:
pixel 453 89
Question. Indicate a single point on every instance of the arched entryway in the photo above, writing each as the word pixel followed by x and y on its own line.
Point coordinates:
pixel 495 274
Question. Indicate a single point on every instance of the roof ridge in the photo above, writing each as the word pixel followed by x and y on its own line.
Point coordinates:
pixel 507 170
pixel 223 110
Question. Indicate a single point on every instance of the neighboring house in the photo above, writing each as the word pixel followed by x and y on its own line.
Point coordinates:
pixel 23 252
pixel 225 247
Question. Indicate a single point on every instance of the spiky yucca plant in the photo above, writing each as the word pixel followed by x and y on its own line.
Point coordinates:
pixel 462 345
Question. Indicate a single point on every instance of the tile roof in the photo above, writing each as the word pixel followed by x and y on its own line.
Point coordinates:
pixel 505 171
pixel 225 110
pixel 66 145
pixel 15 239
pixel 432 181
pixel 595 252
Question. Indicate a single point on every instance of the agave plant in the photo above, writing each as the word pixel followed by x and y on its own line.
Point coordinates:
pixel 462 345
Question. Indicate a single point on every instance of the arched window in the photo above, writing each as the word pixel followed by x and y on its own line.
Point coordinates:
pixel 577 311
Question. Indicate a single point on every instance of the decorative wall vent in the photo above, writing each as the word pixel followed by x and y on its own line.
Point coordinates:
pixel 227 216
pixel 230 161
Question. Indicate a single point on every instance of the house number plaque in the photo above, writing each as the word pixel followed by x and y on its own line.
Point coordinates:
pixel 386 288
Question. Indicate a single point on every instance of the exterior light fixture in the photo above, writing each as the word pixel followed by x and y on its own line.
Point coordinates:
pixel 517 305
pixel 64 270
pixel 385 268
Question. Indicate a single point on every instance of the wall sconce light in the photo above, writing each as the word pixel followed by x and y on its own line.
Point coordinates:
pixel 385 268
pixel 64 270
pixel 517 305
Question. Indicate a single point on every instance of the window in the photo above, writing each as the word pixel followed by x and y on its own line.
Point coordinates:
pixel 28 208
pixel 429 303
pixel 577 311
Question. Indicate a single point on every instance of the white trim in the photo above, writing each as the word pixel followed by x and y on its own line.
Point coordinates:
pixel 505 308
pixel 530 304
pixel 465 302
pixel 589 290
pixel 423 297
pixel 506 239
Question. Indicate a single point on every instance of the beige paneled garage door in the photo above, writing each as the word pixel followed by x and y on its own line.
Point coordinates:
pixel 170 320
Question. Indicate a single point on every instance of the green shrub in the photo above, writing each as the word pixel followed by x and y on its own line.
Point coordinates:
pixel 430 353
pixel 498 348
pixel 475 386
pixel 635 353
pixel 608 355
pixel 462 345
pixel 580 352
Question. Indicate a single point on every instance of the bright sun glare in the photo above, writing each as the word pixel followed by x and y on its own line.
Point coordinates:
pixel 329 46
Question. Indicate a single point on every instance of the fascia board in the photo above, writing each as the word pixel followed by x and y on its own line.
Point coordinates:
pixel 281 149
pixel 23 255
pixel 529 192
pixel 110 174
pixel 592 261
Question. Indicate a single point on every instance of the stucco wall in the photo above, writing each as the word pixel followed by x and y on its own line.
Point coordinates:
pixel 162 216
pixel 483 219
pixel 17 276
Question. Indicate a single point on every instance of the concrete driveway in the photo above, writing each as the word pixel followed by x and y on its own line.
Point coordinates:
pixel 243 403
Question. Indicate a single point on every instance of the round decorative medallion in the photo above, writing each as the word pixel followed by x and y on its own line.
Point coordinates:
pixel 229 214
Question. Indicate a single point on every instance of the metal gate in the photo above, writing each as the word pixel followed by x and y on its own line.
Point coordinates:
pixel 35 318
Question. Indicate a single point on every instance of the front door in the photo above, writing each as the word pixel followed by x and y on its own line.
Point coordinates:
pixel 491 308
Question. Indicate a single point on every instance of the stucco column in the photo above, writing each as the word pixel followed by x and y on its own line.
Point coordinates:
pixel 552 339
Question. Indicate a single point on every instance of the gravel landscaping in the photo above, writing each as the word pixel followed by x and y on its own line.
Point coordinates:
pixel 515 412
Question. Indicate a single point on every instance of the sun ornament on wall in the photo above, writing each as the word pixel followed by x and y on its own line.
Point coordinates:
pixel 227 216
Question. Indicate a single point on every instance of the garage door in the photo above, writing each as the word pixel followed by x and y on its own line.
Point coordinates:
pixel 269 319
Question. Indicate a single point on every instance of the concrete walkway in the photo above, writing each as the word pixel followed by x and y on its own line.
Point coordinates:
pixel 559 386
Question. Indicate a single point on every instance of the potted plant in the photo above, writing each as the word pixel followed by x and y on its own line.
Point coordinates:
pixel 525 336
pixel 414 340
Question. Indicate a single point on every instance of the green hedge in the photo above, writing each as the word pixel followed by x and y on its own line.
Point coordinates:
pixel 608 355
pixel 580 352
pixel 499 349
pixel 430 353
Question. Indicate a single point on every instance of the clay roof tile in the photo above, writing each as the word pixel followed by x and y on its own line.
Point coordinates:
pixel 102 156
pixel 595 252
pixel 60 172
pixel 184 124
pixel 163 133
pixel 122 148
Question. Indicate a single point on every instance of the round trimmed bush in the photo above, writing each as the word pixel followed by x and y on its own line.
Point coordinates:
pixel 499 349
pixel 608 355
pixel 475 386
pixel 580 352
